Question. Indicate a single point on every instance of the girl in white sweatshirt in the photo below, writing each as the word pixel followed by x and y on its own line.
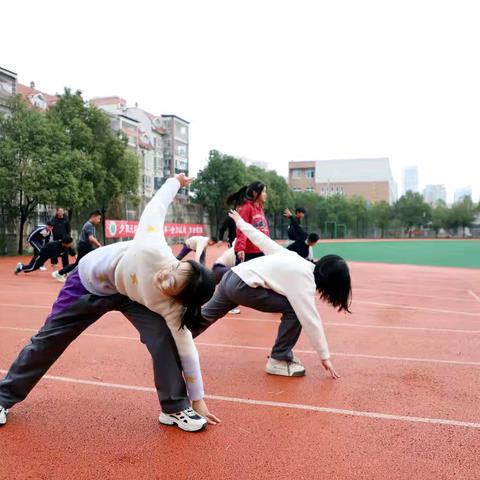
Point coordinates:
pixel 158 294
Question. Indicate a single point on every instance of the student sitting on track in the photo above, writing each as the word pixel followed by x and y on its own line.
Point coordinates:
pixel 283 282
pixel 157 293
pixel 52 250
pixel 199 245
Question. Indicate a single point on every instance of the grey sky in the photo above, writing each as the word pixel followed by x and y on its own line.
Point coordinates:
pixel 275 81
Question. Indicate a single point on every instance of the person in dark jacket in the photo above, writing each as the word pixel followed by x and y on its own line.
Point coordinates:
pixel 302 242
pixel 299 216
pixel 39 237
pixel 61 227
pixel 52 250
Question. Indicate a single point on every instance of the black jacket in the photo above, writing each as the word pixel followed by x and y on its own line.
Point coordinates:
pixel 298 234
pixel 61 227
pixel 53 249
pixel 229 225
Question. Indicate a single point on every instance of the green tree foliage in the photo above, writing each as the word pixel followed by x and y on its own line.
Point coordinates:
pixel 381 216
pixel 32 163
pixel 109 171
pixel 412 211
pixel 462 214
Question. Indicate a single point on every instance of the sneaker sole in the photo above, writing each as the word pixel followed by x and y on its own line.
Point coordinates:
pixel 294 374
pixel 172 423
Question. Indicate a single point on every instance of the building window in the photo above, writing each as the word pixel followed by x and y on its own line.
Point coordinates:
pixel 297 189
pixel 296 173
pixel 310 173
pixel 309 189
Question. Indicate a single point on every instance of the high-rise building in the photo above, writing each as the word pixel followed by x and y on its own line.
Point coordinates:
pixel 8 88
pixel 461 193
pixel 433 193
pixel 410 179
pixel 370 178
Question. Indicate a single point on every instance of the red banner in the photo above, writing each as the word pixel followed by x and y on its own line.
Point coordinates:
pixel 127 229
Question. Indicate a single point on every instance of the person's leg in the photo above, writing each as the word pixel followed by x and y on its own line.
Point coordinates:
pixel 167 370
pixel 202 257
pixel 251 256
pixel 219 271
pixel 74 310
pixel 183 252
pixel 82 249
pixel 34 264
pixel 234 291
pixel 65 260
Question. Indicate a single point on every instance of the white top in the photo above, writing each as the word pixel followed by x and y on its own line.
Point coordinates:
pixel 129 268
pixel 228 258
pixel 198 244
pixel 288 274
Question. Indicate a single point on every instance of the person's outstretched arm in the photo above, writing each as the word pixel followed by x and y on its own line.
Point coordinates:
pixel 262 241
pixel 150 226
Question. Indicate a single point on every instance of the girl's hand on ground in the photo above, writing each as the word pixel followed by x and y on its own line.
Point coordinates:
pixel 327 365
pixel 183 179
pixel 201 408
pixel 234 215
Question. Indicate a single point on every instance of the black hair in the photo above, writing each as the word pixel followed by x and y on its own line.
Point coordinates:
pixel 49 224
pixel 95 213
pixel 67 239
pixel 214 239
pixel 300 210
pixel 332 278
pixel 313 237
pixel 198 290
pixel 245 193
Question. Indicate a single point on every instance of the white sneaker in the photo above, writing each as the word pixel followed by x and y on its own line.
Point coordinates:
pixel 18 268
pixel 286 369
pixel 234 311
pixel 43 269
pixel 3 415
pixel 57 276
pixel 188 420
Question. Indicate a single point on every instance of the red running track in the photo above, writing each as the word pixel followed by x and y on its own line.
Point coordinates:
pixel 405 407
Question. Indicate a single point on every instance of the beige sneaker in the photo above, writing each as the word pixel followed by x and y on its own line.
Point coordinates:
pixel 284 368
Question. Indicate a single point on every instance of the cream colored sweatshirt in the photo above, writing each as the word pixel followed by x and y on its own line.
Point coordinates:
pixel 129 268
pixel 288 274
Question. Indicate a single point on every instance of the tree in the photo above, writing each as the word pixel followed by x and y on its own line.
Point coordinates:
pixel 32 162
pixel 223 175
pixel 381 215
pixel 412 211
pixel 109 170
pixel 463 213
pixel 440 217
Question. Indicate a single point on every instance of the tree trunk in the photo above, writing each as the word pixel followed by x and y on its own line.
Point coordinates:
pixel 20 233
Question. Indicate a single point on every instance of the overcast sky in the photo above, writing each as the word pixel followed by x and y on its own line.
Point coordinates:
pixel 274 81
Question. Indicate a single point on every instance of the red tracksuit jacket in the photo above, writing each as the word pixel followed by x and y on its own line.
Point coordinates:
pixel 254 215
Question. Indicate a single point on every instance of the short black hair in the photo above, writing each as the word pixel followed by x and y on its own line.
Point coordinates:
pixel 67 239
pixel 313 237
pixel 214 239
pixel 49 224
pixel 300 210
pixel 95 213
pixel 332 279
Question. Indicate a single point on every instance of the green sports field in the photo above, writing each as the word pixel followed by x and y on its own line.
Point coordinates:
pixel 442 253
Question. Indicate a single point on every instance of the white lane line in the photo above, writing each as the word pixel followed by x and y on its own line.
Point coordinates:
pixel 362 302
pixel 421 309
pixel 354 355
pixel 294 406
pixel 407 294
pixel 474 295
pixel 362 325
pixel 267 349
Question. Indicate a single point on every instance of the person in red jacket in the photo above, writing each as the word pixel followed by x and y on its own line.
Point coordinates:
pixel 250 202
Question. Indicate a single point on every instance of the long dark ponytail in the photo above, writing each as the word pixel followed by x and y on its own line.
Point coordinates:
pixel 198 290
pixel 250 192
